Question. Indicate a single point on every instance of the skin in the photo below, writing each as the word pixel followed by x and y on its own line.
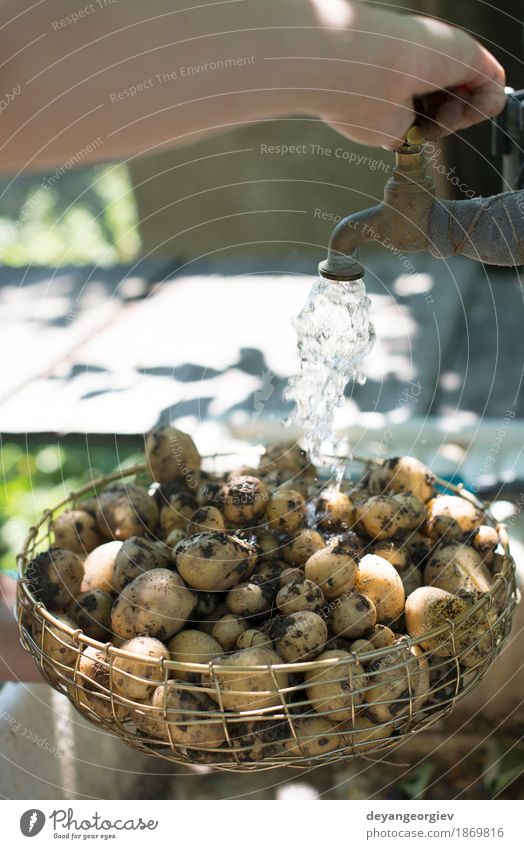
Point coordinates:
pixel 66 78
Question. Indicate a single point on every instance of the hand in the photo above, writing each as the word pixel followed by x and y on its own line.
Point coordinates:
pixel 386 61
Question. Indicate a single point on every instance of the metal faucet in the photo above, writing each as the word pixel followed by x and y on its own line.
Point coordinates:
pixel 410 218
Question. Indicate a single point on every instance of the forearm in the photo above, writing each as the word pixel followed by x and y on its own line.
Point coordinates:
pixel 131 78
pixel 139 77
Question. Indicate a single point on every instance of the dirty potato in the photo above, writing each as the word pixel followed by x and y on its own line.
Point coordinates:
pixel 299 636
pixel 384 516
pixel 250 690
pixel 334 570
pixel 379 580
pixel 335 510
pixel 336 689
pixel 135 556
pixel 301 546
pixel 251 600
pixel 353 615
pixel 407 474
pixel 156 604
pixel 452 516
pixel 286 510
pixel 227 630
pixel 76 530
pixel 135 679
pixel 181 717
pixel 91 611
pixel 215 562
pixel 99 568
pixel 243 500
pixel 172 455
pixel 55 577
pixel 192 647
pixel 300 594
pixel 207 518
pixel 454 567
pixel 125 510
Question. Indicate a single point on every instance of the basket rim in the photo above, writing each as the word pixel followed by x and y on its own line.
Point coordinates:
pixel 500 581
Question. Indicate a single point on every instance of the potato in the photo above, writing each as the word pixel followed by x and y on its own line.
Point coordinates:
pixel 485 540
pixel 333 569
pixel 125 671
pixel 252 639
pixel 268 575
pixel 407 474
pixel 93 686
pixel 381 636
pixel 379 580
pixel 430 607
pixel 302 545
pixel 176 511
pixel 56 644
pixel 452 516
pixel 227 631
pixel 398 683
pixel 215 562
pixel 335 690
pixel 125 510
pixel 253 741
pixel 136 556
pixel 285 456
pixel 182 717
pixel 315 737
pixel 206 518
pixel 287 576
pixel 335 510
pixel 251 599
pixel 156 604
pixel 299 636
pixel 286 510
pixel 255 690
pixel 243 500
pixel 456 567
pixel 362 647
pixel 300 595
pixel 55 577
pixel 172 456
pixel 76 530
pixel 99 568
pixel 192 647
pixel 383 516
pixel 362 735
pixel 175 536
pixel 394 552
pixel 353 615
pixel 91 611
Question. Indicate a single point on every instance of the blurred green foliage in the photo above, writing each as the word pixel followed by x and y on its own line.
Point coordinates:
pixel 37 474
pixel 82 216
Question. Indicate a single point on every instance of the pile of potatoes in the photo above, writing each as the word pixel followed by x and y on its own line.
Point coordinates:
pixel 252 575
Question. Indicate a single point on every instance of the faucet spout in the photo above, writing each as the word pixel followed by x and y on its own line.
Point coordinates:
pixel 399 221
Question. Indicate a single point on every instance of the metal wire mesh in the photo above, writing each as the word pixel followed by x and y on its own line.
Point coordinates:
pixel 259 717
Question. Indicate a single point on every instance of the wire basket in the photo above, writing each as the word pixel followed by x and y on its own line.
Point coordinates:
pixel 259 717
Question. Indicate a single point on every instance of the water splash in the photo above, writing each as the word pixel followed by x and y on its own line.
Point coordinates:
pixel 334 334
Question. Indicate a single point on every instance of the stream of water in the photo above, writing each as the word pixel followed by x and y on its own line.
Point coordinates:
pixel 334 334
